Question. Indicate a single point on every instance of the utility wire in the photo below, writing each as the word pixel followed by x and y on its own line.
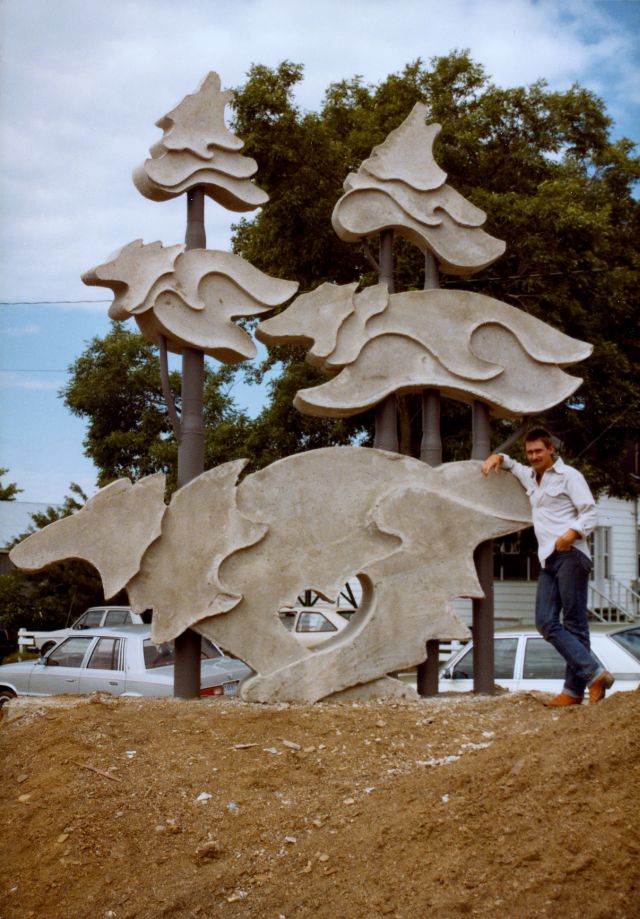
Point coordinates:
pixel 493 277
pixel 46 302
pixel 608 427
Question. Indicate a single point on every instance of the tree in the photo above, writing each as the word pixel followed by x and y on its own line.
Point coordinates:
pixel 9 491
pixel 115 385
pixel 543 167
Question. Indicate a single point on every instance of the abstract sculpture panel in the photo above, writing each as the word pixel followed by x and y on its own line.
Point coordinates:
pixel 467 345
pixel 400 187
pixel 197 149
pixel 229 556
pixel 189 297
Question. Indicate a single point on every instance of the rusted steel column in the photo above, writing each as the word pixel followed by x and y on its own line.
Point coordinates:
pixel 386 424
pixel 431 453
pixel 186 677
pixel 483 617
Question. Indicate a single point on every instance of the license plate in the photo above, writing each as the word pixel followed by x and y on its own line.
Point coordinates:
pixel 230 689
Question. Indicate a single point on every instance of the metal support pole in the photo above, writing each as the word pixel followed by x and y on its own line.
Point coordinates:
pixel 431 445
pixel 186 678
pixel 431 453
pixel 386 425
pixel 483 618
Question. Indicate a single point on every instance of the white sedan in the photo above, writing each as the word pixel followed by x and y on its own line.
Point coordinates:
pixel 525 661
pixel 120 661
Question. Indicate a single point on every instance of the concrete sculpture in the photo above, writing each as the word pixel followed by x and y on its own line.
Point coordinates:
pixel 197 149
pixel 400 187
pixel 229 555
pixel 189 297
pixel 468 345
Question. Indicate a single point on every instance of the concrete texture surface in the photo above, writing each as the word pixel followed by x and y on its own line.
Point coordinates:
pixel 400 187
pixel 189 297
pixel 230 555
pixel 198 149
pixel 467 345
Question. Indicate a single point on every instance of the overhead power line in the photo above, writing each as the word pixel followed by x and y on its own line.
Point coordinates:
pixel 457 280
pixel 47 302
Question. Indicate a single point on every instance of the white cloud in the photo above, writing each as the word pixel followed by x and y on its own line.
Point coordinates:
pixel 11 379
pixel 19 331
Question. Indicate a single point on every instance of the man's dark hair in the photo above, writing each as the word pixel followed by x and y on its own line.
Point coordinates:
pixel 540 434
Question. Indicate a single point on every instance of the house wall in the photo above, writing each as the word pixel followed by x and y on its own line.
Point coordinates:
pixel 622 517
pixel 514 601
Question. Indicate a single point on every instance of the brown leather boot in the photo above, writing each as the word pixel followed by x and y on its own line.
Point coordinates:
pixel 597 689
pixel 564 699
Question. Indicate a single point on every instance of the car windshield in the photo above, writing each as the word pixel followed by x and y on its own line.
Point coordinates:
pixel 90 620
pixel 164 655
pixel 629 640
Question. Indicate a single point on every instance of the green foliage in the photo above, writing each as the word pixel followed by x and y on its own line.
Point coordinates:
pixel 9 491
pixel 280 430
pixel 541 164
pixel 115 386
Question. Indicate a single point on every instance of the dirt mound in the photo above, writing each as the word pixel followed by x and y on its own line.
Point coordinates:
pixel 454 807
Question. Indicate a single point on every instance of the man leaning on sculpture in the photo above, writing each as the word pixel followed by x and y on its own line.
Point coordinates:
pixel 564 515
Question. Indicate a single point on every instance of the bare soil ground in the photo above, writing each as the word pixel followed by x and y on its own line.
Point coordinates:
pixel 455 807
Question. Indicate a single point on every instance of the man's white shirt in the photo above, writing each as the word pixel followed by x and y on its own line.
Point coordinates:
pixel 561 501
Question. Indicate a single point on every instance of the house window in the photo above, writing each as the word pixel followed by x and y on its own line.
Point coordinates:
pixel 515 557
pixel 600 546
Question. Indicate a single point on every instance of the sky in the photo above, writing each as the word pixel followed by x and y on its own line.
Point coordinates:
pixel 82 83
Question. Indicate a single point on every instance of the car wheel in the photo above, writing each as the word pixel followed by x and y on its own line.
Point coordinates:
pixel 6 695
pixel 46 647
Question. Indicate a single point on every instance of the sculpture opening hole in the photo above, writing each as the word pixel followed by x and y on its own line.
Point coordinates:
pixel 314 620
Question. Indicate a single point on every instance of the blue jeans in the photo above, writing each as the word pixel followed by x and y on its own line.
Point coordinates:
pixel 562 585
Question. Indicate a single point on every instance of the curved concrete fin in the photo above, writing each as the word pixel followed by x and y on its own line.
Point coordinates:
pixel 112 532
pixel 130 273
pixel 315 318
pixel 179 577
pixel 407 153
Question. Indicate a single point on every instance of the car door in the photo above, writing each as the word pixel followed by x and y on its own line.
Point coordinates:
pixel 460 672
pixel 542 666
pixel 60 670
pixel 104 669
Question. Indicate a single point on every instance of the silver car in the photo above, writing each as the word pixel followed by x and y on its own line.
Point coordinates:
pixel 121 661
pixel 525 661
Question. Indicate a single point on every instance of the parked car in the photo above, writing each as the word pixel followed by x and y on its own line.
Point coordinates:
pixel 525 661
pixel 94 618
pixel 120 661
pixel 312 625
